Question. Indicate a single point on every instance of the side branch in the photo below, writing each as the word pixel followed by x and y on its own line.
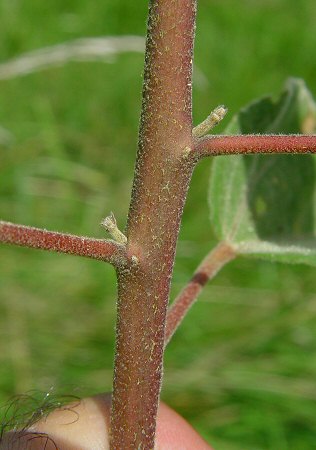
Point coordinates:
pixel 209 267
pixel 25 236
pixel 253 144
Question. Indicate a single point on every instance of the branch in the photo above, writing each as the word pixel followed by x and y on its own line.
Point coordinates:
pixel 253 144
pixel 209 267
pixel 25 236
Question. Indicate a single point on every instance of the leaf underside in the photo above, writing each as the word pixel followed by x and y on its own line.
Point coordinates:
pixel 264 205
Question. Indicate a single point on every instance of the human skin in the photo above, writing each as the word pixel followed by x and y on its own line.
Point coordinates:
pixel 84 425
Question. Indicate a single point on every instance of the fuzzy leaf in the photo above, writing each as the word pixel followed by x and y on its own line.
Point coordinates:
pixel 264 205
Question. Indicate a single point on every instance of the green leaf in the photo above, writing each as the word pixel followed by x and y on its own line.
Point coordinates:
pixel 264 205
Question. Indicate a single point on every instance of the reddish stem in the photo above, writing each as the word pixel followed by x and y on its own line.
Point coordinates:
pixel 253 144
pixel 162 175
pixel 25 236
pixel 209 267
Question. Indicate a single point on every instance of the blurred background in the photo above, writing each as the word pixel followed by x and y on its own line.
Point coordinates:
pixel 242 368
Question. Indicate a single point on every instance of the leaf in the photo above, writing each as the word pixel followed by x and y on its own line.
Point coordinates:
pixel 264 205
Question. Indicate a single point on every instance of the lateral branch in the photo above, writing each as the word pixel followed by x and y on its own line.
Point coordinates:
pixel 253 144
pixel 209 267
pixel 25 236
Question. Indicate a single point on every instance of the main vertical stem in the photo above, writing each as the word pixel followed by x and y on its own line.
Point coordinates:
pixel 162 176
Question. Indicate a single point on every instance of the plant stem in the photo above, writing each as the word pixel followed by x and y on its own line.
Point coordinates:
pixel 162 176
pixel 253 144
pixel 25 236
pixel 209 267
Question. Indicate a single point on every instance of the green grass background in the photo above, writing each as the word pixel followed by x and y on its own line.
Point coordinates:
pixel 242 368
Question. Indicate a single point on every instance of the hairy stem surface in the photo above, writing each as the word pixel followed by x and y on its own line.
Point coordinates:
pixel 209 267
pixel 162 176
pixel 254 144
pixel 25 236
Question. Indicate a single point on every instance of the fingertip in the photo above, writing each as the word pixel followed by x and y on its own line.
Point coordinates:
pixel 175 433
pixel 84 425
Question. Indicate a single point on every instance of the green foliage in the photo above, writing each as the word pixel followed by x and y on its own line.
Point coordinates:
pixel 264 204
pixel 70 162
